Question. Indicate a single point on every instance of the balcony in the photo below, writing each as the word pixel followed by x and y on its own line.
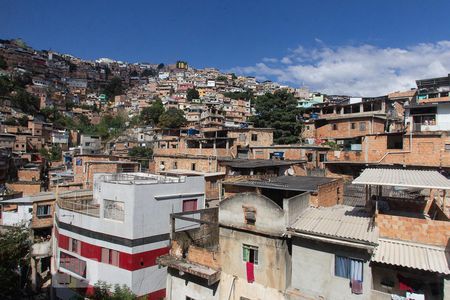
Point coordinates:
pixel 79 202
pixel 196 250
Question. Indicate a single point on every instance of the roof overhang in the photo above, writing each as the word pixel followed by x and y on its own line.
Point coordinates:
pixel 403 178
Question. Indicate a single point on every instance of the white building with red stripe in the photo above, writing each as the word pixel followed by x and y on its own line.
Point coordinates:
pixel 115 233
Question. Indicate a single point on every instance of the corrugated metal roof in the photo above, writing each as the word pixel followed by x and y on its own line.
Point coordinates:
pixel 341 221
pixel 403 178
pixel 288 183
pixel 411 255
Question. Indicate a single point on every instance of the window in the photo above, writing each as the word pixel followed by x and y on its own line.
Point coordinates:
pixel 189 298
pixel 309 157
pixel 250 254
pixel 87 144
pixel 72 264
pixel 114 210
pixel 214 184
pixel 362 126
pixel 353 125
pixel 447 147
pixel 348 268
pixel 190 205
pixel 74 246
pixel 394 142
pixel 334 127
pixel 322 157
pixel 250 215
pixel 307 127
pixel 193 166
pixel 254 137
pixel 110 257
pixel 175 165
pixel 43 210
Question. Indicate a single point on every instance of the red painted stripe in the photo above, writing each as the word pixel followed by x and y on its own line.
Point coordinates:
pixel 157 295
pixel 127 261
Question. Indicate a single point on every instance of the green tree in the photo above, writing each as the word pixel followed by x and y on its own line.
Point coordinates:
pixel 192 94
pixel 278 111
pixel 6 86
pixel 150 115
pixel 149 73
pixel 247 95
pixel 134 73
pixel 25 101
pixel 114 88
pixel 160 66
pixel 3 64
pixel 221 78
pixel 172 118
pixel 14 258
pixel 105 291
pixel 141 152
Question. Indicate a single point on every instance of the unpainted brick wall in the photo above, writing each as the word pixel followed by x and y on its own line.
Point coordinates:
pixel 415 230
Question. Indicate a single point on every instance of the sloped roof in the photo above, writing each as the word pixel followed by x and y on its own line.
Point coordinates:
pixel 411 255
pixel 403 178
pixel 340 221
pixel 287 183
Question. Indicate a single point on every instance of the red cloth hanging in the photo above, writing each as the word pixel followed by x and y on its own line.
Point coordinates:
pixel 403 284
pixel 250 272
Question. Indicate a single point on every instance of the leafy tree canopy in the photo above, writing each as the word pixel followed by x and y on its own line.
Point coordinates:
pixel 104 291
pixel 3 64
pixel 143 152
pixel 14 256
pixel 150 115
pixel 248 95
pixel 114 88
pixel 278 111
pixel 221 78
pixel 172 118
pixel 192 94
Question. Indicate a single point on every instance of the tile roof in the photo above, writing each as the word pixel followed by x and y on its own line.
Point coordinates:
pixel 404 178
pixel 411 255
pixel 341 222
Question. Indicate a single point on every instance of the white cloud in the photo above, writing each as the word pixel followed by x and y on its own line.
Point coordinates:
pixel 270 60
pixel 364 70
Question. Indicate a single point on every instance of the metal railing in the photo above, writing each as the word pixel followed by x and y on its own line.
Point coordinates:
pixel 80 206
pixel 125 178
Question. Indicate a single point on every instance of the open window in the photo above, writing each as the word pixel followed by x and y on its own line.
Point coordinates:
pixel 250 254
pixel 349 268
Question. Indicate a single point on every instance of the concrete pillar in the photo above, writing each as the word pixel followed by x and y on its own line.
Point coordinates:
pixel 33 274
pixel 361 107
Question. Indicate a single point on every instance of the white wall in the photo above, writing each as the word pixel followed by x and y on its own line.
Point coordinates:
pixel 313 272
pixel 22 216
pixel 178 288
pixel 443 116
pixel 144 215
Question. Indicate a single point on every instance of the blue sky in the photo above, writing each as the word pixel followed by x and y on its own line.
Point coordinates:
pixel 288 41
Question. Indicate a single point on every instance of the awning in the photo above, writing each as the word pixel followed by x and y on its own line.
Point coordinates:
pixel 403 178
pixel 411 255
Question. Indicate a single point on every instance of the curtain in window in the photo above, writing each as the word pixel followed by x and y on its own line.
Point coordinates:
pixel 342 266
pixel 356 270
